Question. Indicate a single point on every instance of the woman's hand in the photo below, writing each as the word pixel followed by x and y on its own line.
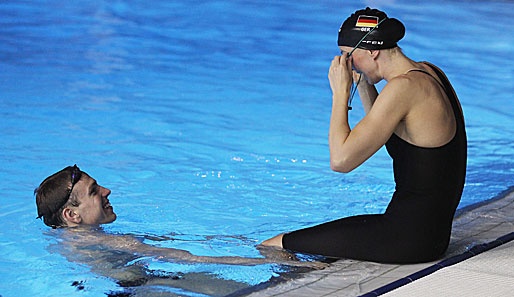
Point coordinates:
pixel 357 76
pixel 340 76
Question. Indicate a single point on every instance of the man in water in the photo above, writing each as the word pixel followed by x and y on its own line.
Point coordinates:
pixel 75 204
pixel 71 198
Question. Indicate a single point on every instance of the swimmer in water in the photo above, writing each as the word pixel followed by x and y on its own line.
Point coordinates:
pixel 73 200
pixel 418 117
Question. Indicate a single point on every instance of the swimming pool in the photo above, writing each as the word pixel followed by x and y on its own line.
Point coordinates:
pixel 209 122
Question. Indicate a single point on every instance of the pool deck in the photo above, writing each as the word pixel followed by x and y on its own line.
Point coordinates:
pixel 476 262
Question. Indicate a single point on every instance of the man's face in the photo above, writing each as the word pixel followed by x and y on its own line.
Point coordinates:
pixel 94 207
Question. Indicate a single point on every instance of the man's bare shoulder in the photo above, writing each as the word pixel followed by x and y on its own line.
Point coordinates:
pixel 90 236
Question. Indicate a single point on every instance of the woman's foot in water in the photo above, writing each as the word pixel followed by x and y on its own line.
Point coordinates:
pixel 274 241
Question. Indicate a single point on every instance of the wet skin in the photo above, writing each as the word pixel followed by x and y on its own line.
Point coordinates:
pixel 94 206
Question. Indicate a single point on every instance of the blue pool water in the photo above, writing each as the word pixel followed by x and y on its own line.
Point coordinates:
pixel 208 120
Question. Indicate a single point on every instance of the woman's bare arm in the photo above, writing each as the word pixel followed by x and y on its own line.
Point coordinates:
pixel 367 92
pixel 350 148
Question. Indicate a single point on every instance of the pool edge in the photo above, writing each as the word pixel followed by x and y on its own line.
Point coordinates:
pixel 259 290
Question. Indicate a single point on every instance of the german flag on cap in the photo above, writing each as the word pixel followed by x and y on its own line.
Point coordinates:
pixel 367 21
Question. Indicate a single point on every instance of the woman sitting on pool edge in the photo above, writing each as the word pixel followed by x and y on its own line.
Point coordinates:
pixel 418 117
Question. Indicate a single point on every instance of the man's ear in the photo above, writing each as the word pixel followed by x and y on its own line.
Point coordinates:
pixel 71 216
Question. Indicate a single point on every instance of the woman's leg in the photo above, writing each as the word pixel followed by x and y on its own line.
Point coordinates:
pixel 274 241
pixel 377 238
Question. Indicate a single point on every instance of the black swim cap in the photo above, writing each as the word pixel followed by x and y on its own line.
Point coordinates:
pixel 384 36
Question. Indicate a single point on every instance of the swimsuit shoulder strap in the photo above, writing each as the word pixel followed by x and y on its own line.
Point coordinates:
pixel 429 74
pixel 450 92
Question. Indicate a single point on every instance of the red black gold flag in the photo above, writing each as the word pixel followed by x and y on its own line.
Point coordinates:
pixel 367 21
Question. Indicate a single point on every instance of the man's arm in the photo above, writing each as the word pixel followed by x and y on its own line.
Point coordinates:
pixel 130 244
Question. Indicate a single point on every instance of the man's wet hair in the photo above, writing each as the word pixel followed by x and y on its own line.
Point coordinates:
pixel 56 193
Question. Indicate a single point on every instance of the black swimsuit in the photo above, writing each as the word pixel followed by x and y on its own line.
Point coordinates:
pixel 417 223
